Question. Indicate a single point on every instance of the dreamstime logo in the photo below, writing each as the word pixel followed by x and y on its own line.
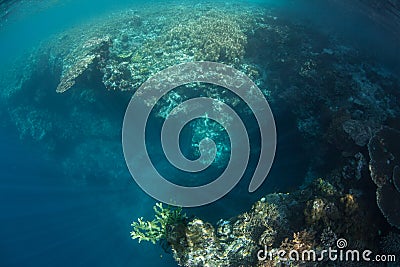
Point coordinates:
pixel 329 254
pixel 146 97
pixel 341 243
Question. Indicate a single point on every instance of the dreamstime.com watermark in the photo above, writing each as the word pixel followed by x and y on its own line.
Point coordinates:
pixel 340 253
pixel 148 95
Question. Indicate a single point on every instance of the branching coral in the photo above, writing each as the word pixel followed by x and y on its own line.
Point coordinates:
pixel 301 241
pixel 158 228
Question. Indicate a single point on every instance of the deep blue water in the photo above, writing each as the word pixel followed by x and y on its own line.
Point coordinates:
pixel 47 219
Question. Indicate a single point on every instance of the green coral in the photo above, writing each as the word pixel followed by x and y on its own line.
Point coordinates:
pixel 157 229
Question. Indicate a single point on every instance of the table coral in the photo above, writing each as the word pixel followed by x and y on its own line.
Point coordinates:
pixel 384 150
pixel 81 59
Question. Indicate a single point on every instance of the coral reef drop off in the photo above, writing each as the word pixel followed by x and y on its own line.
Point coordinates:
pixel 330 71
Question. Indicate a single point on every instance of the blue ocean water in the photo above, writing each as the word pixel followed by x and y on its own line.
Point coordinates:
pixel 48 219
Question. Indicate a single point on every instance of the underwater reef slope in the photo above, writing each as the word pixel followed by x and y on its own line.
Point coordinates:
pixel 70 94
pixel 311 218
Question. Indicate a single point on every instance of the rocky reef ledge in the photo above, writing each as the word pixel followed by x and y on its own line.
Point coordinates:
pixel 312 218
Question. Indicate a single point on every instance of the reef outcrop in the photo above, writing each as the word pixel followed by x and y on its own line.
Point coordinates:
pixel 384 151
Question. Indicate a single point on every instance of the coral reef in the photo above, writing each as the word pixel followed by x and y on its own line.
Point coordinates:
pixel 165 222
pixel 388 199
pixel 117 53
pixel 232 242
pixel 358 131
pixel 356 96
pixel 347 100
pixel 213 37
pixel 92 52
pixel 301 243
pixel 384 150
pixel 311 218
pixel 210 129
pixel 128 56
pixel 391 243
